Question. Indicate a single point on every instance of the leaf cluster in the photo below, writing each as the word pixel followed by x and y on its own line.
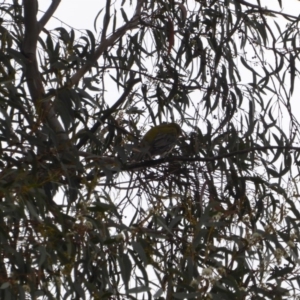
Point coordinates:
pixel 217 219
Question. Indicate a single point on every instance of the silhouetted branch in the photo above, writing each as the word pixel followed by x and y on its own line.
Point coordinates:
pixel 130 83
pixel 48 14
pixel 106 43
pixel 155 162
pixel 33 76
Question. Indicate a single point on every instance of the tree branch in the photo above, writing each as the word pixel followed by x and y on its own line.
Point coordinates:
pixel 34 81
pixel 152 163
pixel 31 29
pixel 268 11
pixel 130 83
pixel 48 14
pixel 155 162
pixel 106 43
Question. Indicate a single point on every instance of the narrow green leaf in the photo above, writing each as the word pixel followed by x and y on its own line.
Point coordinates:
pixel 124 15
pixel 292 71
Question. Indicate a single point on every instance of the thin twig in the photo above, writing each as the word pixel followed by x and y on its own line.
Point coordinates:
pixel 155 162
pixel 34 81
pixel 268 11
pixel 106 43
pixel 131 82
pixel 48 14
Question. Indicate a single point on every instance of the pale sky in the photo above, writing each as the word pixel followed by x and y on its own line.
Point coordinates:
pixel 77 13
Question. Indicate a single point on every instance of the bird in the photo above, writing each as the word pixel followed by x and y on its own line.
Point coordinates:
pixel 159 140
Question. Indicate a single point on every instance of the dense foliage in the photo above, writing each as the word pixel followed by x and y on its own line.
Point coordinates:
pixel 218 218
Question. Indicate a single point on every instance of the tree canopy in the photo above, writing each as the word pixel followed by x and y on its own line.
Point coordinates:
pixel 217 218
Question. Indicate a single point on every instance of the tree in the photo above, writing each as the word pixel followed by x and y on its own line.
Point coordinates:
pixel 216 219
